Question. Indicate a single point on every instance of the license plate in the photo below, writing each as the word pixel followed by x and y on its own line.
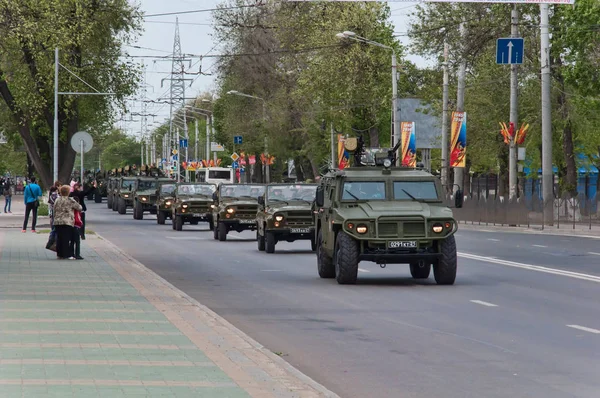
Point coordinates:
pixel 197 215
pixel 402 244
pixel 300 230
pixel 247 221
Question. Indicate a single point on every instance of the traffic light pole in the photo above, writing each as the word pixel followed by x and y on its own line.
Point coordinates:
pixel 514 112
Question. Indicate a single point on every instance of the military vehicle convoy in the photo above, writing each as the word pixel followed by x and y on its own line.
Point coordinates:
pixel 387 215
pixel 124 195
pixel 145 195
pixel 235 208
pixel 285 214
pixel 164 201
pixel 192 203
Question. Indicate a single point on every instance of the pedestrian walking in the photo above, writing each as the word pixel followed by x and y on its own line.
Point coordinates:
pixel 80 193
pixel 64 221
pixel 8 191
pixel 75 246
pixel 31 196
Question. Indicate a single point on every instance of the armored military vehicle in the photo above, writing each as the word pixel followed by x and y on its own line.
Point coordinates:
pixel 124 196
pixel 164 201
pixel 235 208
pixel 193 203
pixel 387 215
pixel 111 190
pixel 145 195
pixel 285 214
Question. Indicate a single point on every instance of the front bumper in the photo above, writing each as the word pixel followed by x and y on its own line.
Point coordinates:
pixel 399 257
pixel 194 214
pixel 293 233
pixel 239 223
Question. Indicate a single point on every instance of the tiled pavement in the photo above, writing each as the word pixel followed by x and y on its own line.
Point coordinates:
pixel 108 327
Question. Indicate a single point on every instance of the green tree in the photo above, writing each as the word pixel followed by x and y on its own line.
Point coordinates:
pixel 90 35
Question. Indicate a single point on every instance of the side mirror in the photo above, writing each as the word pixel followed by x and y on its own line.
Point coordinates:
pixel 459 198
pixel 215 197
pixel 320 197
pixel 261 200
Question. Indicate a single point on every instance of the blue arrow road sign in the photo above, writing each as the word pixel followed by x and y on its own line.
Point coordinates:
pixel 183 143
pixel 237 140
pixel 174 157
pixel 509 50
pixel 235 165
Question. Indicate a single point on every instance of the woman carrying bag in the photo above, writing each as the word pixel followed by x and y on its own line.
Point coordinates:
pixel 64 221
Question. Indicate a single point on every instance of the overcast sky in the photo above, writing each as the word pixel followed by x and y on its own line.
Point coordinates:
pixel 196 38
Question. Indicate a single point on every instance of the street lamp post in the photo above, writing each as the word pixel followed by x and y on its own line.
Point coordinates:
pixel 264 104
pixel 396 137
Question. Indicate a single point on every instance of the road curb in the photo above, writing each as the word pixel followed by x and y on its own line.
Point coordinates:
pixel 318 390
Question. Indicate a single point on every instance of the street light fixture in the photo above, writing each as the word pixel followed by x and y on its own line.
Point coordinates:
pixel 264 102
pixel 348 35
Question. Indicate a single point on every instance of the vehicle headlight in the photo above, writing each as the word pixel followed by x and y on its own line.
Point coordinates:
pixel 230 210
pixel 125 196
pixel 168 203
pixel 144 199
pixel 184 206
pixel 437 228
pixel 279 218
pixel 213 206
pixel 362 229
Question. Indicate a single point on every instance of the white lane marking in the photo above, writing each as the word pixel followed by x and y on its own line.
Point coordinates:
pixel 595 331
pixel 539 246
pixel 186 238
pixel 494 240
pixel 594 253
pixel 270 270
pixel 363 270
pixel 483 303
pixel 570 274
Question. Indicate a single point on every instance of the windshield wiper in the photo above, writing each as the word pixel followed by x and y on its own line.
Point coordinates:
pixel 351 194
pixel 412 197
pixel 279 200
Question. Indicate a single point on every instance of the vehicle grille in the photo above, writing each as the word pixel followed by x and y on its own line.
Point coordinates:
pixel 388 229
pixel 198 209
pixel 299 218
pixel 245 211
pixel 397 228
pixel 411 229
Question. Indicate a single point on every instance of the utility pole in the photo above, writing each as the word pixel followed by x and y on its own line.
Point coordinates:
pixel 514 111
pixel 143 119
pixel 196 139
pixel 177 164
pixel 333 162
pixel 186 135
pixel 547 173
pixel 445 149
pixel 395 104
pixel 459 172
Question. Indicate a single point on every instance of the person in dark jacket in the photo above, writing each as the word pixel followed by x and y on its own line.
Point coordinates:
pixel 80 193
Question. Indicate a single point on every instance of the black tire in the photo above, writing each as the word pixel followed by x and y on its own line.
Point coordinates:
pixel 216 232
pixel 313 245
pixel 97 197
pixel 122 207
pixel 178 223
pixel 109 201
pixel 345 258
pixel 261 242
pixel 270 242
pixel 173 223
pixel 211 224
pixel 324 262
pixel 161 217
pixel 444 270
pixel 115 203
pixel 222 232
pixel 138 211
pixel 420 272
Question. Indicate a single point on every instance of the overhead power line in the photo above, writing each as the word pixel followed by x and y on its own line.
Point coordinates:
pixel 201 10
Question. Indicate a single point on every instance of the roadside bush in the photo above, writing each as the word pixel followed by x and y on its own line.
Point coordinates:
pixel 43 209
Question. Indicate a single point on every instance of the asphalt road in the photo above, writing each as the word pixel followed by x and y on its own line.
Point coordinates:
pixel 522 320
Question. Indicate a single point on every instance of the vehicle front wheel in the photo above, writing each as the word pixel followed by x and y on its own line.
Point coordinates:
pixel 261 242
pixel 178 223
pixel 115 204
pixel 138 211
pixel 346 259
pixel 444 270
pixel 98 197
pixel 122 209
pixel 270 242
pixel 324 262
pixel 420 272
pixel 173 223
pixel 313 245
pixel 216 232
pixel 222 231
pixel 109 201
pixel 160 217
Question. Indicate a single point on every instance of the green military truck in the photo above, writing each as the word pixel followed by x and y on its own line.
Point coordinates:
pixel 124 196
pixel 387 215
pixel 145 195
pixel 285 214
pixel 235 208
pixel 111 190
pixel 164 201
pixel 193 203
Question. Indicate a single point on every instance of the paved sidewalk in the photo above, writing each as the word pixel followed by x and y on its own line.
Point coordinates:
pixel 109 327
pixel 15 219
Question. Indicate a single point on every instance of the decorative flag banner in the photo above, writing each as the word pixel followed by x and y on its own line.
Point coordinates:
pixel 409 144
pixel 458 146
pixel 450 1
pixel 343 155
pixel 508 133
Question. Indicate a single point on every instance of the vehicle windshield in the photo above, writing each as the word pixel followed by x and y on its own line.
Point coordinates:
pixel 291 192
pixel 196 189
pixel 167 188
pixel 364 190
pixel 144 185
pixel 127 184
pixel 219 174
pixel 411 190
pixel 239 191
